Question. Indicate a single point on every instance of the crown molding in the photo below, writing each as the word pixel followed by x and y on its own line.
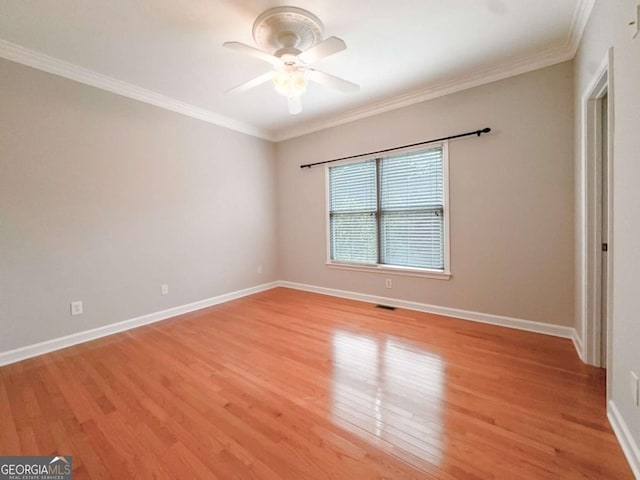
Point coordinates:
pixel 475 78
pixel 482 76
pixel 55 66
pixel 580 18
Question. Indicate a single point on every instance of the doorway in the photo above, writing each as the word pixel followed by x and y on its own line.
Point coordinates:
pixel 602 215
pixel 596 218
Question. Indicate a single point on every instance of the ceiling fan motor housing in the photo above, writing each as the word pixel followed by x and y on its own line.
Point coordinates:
pixel 287 30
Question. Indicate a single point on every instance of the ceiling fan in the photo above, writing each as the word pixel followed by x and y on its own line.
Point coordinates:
pixel 291 40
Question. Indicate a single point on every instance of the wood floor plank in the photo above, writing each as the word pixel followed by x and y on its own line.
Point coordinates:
pixel 293 385
pixel 9 439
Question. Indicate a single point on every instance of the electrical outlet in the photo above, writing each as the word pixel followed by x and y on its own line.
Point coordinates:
pixel 259 269
pixel 76 308
pixel 635 389
pixel 388 283
pixel 164 289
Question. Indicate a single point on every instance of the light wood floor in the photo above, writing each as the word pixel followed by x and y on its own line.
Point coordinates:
pixel 293 385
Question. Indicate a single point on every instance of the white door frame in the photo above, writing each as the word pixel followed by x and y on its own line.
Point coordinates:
pixel 590 216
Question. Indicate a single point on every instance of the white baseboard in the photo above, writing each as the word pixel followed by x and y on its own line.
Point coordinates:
pixel 519 324
pixel 626 441
pixel 579 346
pixel 29 351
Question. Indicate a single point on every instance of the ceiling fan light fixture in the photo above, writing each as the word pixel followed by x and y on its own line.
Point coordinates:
pixel 291 82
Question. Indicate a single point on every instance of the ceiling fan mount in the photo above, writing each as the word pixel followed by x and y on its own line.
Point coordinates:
pixel 287 28
pixel 290 39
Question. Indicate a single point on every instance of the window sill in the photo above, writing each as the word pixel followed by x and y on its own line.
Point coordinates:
pixel 389 270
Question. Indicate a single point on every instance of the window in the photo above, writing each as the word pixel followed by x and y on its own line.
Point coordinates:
pixel 390 212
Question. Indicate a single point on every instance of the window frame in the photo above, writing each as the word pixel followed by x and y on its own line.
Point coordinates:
pixel 444 274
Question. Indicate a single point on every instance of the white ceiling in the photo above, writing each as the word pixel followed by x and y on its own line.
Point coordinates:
pixel 170 52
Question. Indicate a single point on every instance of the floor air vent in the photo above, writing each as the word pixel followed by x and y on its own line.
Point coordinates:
pixel 386 307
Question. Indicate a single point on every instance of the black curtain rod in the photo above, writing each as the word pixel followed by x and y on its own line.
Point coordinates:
pixel 450 137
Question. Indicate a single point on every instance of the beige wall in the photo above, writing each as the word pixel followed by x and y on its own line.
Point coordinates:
pixel 608 27
pixel 511 198
pixel 626 236
pixel 103 199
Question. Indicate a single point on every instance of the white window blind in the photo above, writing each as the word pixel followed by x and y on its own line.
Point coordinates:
pixel 353 207
pixel 389 211
pixel 412 207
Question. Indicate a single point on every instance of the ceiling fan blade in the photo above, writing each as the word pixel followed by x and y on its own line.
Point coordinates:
pixel 265 77
pixel 323 49
pixel 243 48
pixel 333 82
pixel 295 104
